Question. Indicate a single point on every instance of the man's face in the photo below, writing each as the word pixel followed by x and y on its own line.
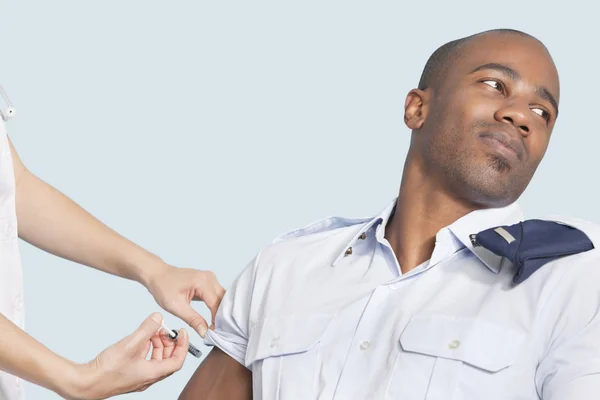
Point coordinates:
pixel 488 125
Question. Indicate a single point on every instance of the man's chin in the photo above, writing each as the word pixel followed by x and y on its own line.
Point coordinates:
pixel 490 186
pixel 498 164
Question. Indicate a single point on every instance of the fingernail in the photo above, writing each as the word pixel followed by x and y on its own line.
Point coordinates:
pixel 164 333
pixel 156 317
pixel 202 330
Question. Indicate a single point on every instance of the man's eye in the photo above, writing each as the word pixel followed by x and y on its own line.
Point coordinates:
pixel 495 84
pixel 542 113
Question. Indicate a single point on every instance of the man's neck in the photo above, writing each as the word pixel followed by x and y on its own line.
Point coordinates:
pixel 423 208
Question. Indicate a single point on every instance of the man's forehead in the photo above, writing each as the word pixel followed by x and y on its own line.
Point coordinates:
pixel 526 56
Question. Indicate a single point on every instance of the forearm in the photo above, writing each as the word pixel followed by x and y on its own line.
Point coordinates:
pixel 53 222
pixel 23 356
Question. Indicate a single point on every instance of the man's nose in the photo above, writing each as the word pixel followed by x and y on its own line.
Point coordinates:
pixel 517 115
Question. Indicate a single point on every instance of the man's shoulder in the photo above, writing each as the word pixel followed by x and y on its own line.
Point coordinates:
pixel 324 238
pixel 591 229
pixel 322 227
pixel 570 285
pixel 584 263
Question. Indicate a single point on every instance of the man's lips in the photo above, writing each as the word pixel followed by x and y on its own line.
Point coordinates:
pixel 503 144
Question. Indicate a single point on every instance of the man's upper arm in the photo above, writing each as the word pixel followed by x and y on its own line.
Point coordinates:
pixel 219 377
pixel 571 367
pixel 223 375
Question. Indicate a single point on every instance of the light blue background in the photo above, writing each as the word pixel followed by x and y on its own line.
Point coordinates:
pixel 201 130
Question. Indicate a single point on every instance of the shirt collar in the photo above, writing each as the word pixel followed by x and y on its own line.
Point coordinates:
pixel 379 221
pixel 474 222
pixel 479 220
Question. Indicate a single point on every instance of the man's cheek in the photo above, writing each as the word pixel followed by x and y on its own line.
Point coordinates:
pixel 483 112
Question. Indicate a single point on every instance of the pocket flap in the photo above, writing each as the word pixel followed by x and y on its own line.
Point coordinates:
pixel 289 334
pixel 479 343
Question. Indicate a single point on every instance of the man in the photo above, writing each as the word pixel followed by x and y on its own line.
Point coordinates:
pixel 405 305
pixel 41 215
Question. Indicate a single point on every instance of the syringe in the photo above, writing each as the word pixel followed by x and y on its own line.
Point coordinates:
pixel 193 350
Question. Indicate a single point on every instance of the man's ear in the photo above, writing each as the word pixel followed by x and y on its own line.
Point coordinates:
pixel 416 107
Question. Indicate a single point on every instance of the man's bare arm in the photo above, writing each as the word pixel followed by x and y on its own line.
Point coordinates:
pixel 219 377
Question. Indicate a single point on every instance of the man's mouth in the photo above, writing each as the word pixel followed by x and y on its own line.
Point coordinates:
pixel 503 145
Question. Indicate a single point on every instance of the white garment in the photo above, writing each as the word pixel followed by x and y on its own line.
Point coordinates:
pixel 326 313
pixel 11 275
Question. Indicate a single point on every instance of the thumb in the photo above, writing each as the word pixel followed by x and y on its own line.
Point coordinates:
pixel 147 329
pixel 193 319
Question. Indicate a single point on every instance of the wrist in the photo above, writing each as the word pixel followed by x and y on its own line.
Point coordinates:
pixel 148 268
pixel 76 382
pixel 152 273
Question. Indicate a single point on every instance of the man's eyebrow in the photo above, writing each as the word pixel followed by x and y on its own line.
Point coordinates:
pixel 508 71
pixel 540 91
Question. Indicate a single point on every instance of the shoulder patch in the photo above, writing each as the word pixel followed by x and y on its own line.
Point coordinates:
pixel 591 229
pixel 323 225
pixel 531 244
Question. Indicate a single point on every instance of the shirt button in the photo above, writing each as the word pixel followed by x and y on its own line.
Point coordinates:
pixel 453 345
pixel 19 303
pixel 19 380
pixel 363 236
pixel 365 345
pixel 348 251
pixel 274 343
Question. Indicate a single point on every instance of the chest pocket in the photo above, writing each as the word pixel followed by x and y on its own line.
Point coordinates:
pixel 283 354
pixel 447 358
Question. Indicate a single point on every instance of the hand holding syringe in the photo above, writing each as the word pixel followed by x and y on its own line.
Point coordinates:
pixel 193 350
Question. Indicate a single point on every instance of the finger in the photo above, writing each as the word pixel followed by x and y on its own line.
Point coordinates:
pixel 181 345
pixel 212 301
pixel 213 316
pixel 146 350
pixel 220 292
pixel 157 347
pixel 175 362
pixel 147 329
pixel 193 319
pixel 168 346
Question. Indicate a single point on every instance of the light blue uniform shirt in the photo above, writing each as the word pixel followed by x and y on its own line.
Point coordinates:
pixel 325 313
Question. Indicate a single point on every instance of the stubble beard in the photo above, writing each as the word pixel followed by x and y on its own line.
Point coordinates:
pixel 499 164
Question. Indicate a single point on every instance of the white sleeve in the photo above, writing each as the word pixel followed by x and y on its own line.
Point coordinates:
pixel 571 367
pixel 233 316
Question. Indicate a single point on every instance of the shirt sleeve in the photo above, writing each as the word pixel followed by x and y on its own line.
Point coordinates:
pixel 233 316
pixel 571 367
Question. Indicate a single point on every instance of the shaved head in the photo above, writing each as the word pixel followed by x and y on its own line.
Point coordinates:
pixel 440 61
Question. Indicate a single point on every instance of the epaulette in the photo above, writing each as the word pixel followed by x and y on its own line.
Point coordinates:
pixel 531 244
